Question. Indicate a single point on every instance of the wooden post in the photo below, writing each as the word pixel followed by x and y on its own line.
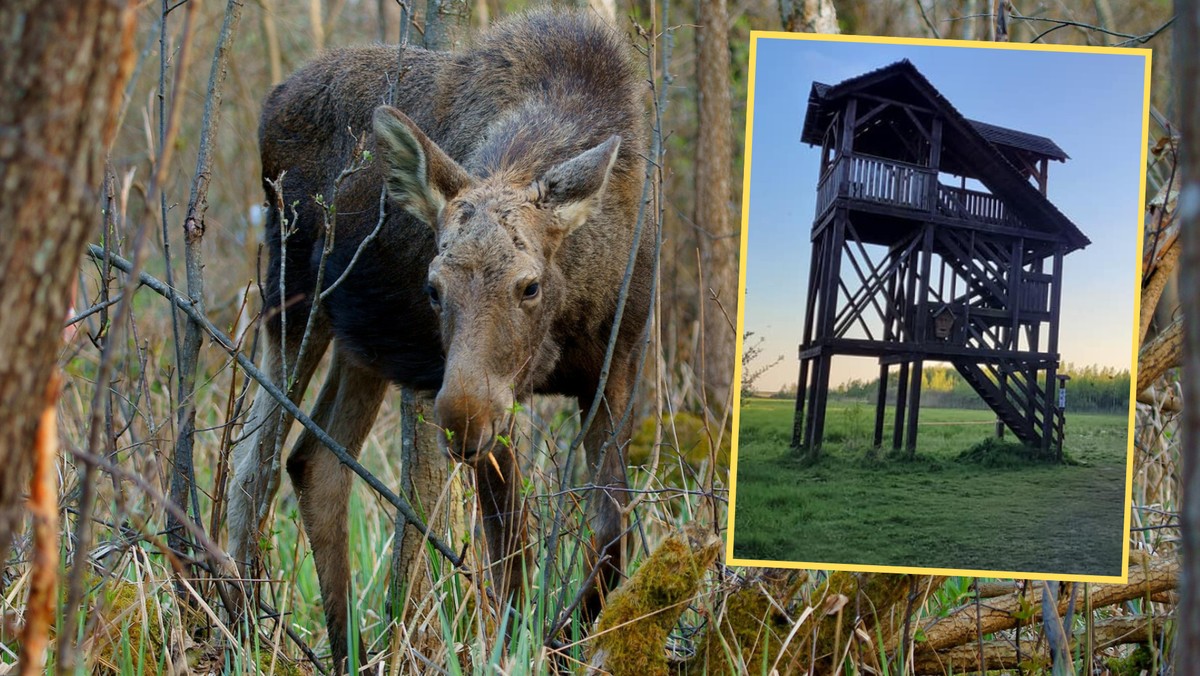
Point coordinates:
pixel 1052 348
pixel 914 406
pixel 935 161
pixel 846 144
pixel 828 310
pixel 798 417
pixel 901 400
pixel 889 335
pixel 920 331
pixel 799 428
pixel 880 405
pixel 820 401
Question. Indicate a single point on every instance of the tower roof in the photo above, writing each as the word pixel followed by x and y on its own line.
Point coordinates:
pixel 999 157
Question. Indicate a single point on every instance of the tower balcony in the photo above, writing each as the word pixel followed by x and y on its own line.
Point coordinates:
pixel 908 190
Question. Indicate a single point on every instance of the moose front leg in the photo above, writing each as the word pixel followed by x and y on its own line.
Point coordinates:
pixel 256 462
pixel 498 480
pixel 605 443
pixel 346 409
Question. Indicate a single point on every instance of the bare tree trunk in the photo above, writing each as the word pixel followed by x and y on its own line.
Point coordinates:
pixel 271 39
pixel 483 15
pixel 390 16
pixel 1187 79
pixel 443 19
pixel 717 231
pixel 61 80
pixel 605 8
pixel 808 16
pixel 999 31
pixel 424 474
pixel 316 20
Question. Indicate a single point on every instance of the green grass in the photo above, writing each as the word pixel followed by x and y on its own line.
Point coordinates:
pixel 952 506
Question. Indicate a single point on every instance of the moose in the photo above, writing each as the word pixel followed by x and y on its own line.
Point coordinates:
pixel 513 174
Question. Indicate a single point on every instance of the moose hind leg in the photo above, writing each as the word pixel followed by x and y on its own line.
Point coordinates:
pixel 256 463
pixel 346 409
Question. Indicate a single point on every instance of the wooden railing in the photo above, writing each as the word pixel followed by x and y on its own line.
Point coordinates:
pixel 827 187
pixel 973 205
pixel 874 179
pixel 889 182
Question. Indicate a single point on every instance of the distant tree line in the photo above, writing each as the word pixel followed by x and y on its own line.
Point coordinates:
pixel 1092 388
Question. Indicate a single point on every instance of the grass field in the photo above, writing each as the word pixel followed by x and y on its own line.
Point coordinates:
pixel 857 505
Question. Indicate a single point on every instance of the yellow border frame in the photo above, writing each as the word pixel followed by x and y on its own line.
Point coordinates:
pixel 928 42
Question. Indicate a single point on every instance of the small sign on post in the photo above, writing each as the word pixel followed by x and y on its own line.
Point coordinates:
pixel 1062 391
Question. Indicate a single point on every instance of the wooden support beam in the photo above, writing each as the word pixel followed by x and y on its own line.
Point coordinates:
pixel 820 401
pixel 853 312
pixel 880 107
pixel 1015 281
pixel 896 352
pixel 849 125
pixel 949 222
pixel 935 157
pixel 910 106
pixel 798 416
pixel 914 407
pixel 917 122
pixel 1051 383
pixel 901 401
pixel 871 284
pixel 880 406
pixel 922 332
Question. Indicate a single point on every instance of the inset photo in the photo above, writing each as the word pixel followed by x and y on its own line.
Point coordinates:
pixel 940 272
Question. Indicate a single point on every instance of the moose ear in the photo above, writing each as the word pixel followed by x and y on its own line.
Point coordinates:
pixel 574 188
pixel 417 173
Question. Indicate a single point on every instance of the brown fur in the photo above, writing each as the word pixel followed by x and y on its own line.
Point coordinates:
pixel 514 172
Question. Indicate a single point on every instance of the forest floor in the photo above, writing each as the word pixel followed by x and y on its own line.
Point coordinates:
pixel 947 507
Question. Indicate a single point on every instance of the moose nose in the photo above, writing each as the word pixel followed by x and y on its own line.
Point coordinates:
pixel 468 425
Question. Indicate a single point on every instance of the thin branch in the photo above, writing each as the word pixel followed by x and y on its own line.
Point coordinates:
pixel 102 305
pixel 925 17
pixel 226 343
pixel 183 483
pixel 1129 37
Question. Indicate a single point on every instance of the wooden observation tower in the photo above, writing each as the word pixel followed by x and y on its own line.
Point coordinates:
pixel 910 263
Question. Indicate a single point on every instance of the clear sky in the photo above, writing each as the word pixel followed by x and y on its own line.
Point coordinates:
pixel 1091 105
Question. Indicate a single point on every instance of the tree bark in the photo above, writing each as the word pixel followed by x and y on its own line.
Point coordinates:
pixel 424 479
pixel 61 80
pixel 1187 80
pixel 443 21
pixel 808 16
pixel 1002 654
pixel 1001 613
pixel 718 235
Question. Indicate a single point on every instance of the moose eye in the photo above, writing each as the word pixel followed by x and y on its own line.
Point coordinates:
pixel 433 294
pixel 532 290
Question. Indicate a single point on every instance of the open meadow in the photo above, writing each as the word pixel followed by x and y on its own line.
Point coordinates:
pixel 990 509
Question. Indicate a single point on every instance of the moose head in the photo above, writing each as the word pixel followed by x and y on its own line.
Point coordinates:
pixel 494 283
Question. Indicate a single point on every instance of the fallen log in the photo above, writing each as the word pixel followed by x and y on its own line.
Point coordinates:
pixel 1002 654
pixel 631 636
pixel 1004 612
